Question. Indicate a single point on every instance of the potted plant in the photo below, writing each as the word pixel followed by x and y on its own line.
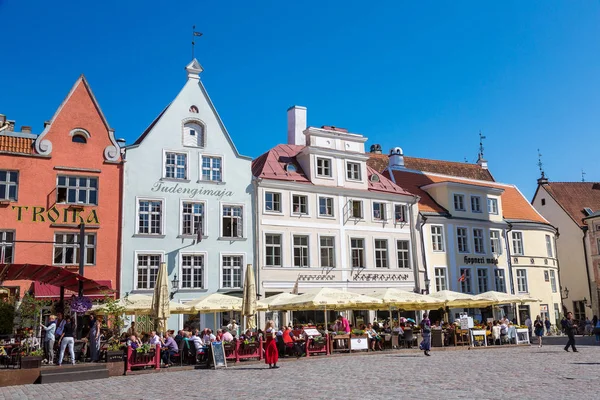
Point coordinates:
pixel 32 359
pixel 228 346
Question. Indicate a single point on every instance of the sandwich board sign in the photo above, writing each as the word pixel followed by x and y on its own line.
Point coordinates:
pixel 218 355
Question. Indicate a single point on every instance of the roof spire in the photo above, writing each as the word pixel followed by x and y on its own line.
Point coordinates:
pixel 583 174
pixel 542 179
pixel 480 160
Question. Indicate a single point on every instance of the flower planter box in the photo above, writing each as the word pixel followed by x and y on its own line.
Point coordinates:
pixel 135 359
pixel 339 343
pixel 317 346
pixel 250 350
pixel 31 362
pixel 359 342
pixel 230 351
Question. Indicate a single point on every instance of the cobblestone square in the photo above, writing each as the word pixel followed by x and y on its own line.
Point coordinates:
pixel 495 373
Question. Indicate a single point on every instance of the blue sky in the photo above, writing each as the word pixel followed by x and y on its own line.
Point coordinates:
pixel 426 76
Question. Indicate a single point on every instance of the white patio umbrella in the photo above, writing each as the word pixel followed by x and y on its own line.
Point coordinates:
pixel 160 298
pixel 249 298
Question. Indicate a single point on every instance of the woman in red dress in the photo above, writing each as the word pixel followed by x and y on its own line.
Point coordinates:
pixel 271 353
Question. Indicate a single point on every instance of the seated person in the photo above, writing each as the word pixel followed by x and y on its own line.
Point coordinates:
pixel 153 339
pixel 226 336
pixel 219 335
pixel 398 329
pixel 169 348
pixel 197 341
pixel 374 338
pixel 134 342
pixel 208 337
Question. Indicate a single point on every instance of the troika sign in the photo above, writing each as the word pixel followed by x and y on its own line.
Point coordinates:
pixel 481 260
pixel 160 186
pixel 56 215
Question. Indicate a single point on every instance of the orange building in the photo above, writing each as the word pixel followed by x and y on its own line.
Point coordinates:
pixel 51 183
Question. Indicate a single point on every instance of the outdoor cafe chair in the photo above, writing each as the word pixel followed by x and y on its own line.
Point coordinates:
pixel 13 357
pixel 408 338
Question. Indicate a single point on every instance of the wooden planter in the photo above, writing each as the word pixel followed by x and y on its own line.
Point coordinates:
pixel 31 362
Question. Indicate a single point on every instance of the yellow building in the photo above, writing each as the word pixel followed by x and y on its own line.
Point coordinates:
pixel 573 208
pixel 478 235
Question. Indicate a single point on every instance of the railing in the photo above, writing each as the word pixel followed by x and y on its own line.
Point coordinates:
pixel 251 350
pixel 317 346
pixel 150 359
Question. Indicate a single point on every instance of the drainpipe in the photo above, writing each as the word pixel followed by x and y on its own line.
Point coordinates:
pixel 423 256
pixel 509 262
pixel 255 182
pixel 560 291
pixel 587 269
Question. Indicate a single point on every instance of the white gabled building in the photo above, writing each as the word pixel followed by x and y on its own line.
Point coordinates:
pixel 326 219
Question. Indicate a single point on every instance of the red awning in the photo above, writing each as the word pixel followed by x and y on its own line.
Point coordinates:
pixel 50 275
pixel 50 292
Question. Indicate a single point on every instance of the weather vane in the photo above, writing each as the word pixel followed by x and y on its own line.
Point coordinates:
pixel 539 164
pixel 481 137
pixel 194 35
pixel 583 175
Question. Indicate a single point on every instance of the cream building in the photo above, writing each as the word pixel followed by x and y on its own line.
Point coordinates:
pixel 573 208
pixel 478 234
pixel 326 219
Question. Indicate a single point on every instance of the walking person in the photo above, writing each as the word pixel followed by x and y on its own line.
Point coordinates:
pixel 538 326
pixel 271 354
pixel 426 332
pixel 596 330
pixel 529 325
pixel 548 326
pixel 49 340
pixel 95 340
pixel 571 329
pixel 66 340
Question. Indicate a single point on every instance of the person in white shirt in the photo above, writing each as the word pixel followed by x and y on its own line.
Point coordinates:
pixel 197 340
pixel 529 325
pixel 154 338
pixel 227 336
pixel 233 327
pixel 208 337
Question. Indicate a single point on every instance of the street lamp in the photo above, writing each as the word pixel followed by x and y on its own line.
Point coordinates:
pixel 427 282
pixel 174 286
pixel 566 293
pixel 585 303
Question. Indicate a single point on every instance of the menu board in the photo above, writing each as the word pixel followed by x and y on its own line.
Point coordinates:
pixel 311 332
pixel 218 355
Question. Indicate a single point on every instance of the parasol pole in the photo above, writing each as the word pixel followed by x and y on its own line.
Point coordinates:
pixel 215 320
pixel 326 327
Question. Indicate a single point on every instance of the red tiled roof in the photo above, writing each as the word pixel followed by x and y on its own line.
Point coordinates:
pixel 451 168
pixel 514 205
pixel 272 165
pixel 14 144
pixel 573 197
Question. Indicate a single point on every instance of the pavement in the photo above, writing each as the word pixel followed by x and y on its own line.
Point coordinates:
pixel 523 372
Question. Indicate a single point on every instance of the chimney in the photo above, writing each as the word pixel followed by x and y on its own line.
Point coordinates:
pixel 376 148
pixel 482 163
pixel 46 123
pixel 2 119
pixel 26 129
pixel 296 125
pixel 396 158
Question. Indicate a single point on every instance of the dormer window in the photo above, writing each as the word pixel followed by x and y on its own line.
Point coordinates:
pixel 193 134
pixel 194 110
pixel 79 135
pixel 459 202
pixel 353 171
pixel 476 204
pixel 323 167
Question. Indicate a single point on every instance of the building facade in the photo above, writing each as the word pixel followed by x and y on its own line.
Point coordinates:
pixel 187 202
pixel 572 207
pixel 51 183
pixel 326 219
pixel 478 235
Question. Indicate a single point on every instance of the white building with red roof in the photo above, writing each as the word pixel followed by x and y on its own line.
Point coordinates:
pixel 326 219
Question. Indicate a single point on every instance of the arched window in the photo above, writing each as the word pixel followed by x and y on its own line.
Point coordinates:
pixel 194 110
pixel 193 134
pixel 78 139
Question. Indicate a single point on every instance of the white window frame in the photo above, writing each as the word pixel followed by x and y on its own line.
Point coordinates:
pixel 5 244
pixel 468 279
pixel 330 167
pixel 301 247
pixel 480 239
pixel 75 247
pixel 201 171
pixel 487 280
pixel 519 241
pixel 442 237
pixel 351 209
pixel 382 211
pixel 202 254
pixel 204 224
pixel 379 252
pixel 281 247
pixel 162 216
pixel 242 268
pixel 319 215
pixel 500 276
pixel 404 252
pixel 8 183
pixel 522 279
pixel 187 165
pixel 137 253
pixel 549 248
pixel 441 280
pixel 353 172
pixel 403 213
pixel 465 250
pixel 222 205
pixel 331 248
pixel 497 248
pixel 273 211
pixel 364 251
pixel 78 189
pixel 553 284
pixel 492 205
pixel 476 200
pixel 292 212
pixel 461 197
